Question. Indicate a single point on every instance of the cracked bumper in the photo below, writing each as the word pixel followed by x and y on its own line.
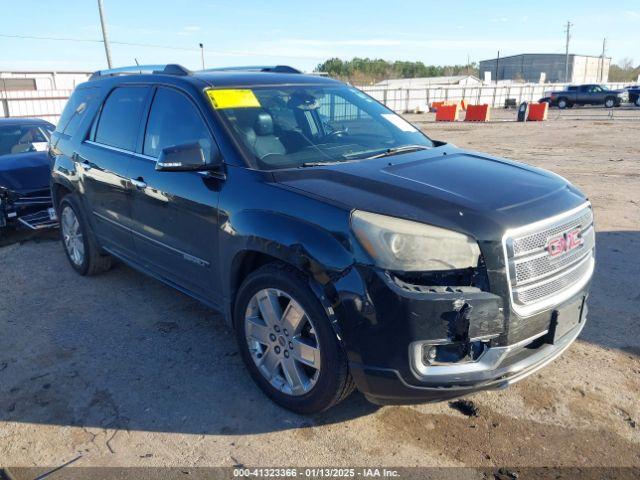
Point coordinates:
pixel 497 368
pixel 387 328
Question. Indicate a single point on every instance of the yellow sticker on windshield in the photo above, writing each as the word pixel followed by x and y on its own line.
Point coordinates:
pixel 233 98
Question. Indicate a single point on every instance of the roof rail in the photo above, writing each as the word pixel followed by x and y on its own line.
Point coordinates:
pixel 256 68
pixel 168 69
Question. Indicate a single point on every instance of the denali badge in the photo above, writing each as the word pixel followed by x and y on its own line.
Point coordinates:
pixel 564 243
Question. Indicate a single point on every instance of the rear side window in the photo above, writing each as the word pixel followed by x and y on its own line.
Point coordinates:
pixel 120 118
pixel 174 120
pixel 74 111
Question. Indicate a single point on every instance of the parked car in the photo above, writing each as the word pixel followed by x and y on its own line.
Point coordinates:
pixel 587 95
pixel 345 247
pixel 634 95
pixel 25 197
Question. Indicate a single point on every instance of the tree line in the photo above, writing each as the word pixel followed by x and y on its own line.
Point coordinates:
pixel 624 71
pixel 364 71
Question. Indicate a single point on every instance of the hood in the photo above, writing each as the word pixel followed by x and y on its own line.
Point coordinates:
pixel 25 172
pixel 474 193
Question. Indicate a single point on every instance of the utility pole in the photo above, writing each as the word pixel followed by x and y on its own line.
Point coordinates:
pixel 566 59
pixel 497 65
pixel 105 37
pixel 202 54
pixel 604 49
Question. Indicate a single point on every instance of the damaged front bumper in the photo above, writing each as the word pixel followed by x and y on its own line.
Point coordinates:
pixel 444 342
pixel 34 212
pixel 499 368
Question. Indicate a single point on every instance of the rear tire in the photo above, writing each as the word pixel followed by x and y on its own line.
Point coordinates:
pixel 78 240
pixel 271 351
pixel 609 102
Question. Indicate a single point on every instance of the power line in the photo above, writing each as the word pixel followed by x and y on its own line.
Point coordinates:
pixel 153 45
pixel 31 37
pixel 91 40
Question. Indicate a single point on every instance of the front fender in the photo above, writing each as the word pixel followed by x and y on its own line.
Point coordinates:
pixel 324 256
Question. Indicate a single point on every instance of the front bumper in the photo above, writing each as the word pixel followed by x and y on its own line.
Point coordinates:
pixel 386 326
pixel 498 368
pixel 32 212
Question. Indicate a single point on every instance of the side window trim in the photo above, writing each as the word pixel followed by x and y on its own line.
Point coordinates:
pixel 146 113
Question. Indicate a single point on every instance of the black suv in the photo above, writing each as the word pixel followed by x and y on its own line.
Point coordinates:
pixel 345 247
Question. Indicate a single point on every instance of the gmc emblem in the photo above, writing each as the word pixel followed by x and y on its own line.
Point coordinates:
pixel 564 243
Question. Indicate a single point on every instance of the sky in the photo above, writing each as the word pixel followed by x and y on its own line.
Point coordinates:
pixel 303 34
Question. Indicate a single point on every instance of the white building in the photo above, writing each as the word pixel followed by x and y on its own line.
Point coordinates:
pixel 41 80
pixel 550 67
pixel 426 82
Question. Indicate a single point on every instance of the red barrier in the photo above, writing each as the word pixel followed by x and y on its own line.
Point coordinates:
pixel 436 105
pixel 538 112
pixel 447 113
pixel 477 113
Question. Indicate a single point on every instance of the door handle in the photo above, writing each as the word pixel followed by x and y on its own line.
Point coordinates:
pixel 84 163
pixel 139 183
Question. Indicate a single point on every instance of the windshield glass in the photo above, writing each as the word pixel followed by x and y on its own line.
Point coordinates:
pixel 23 138
pixel 293 126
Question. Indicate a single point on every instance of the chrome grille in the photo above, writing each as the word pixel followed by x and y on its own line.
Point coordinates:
pixel 538 280
pixel 538 240
pixel 542 264
pixel 539 291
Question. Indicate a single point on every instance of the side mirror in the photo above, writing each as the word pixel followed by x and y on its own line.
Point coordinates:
pixel 186 157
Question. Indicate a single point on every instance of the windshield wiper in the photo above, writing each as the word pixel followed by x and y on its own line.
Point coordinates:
pixel 317 164
pixel 397 150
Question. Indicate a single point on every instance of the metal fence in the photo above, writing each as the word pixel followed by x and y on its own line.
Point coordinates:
pixel 48 104
pixel 418 99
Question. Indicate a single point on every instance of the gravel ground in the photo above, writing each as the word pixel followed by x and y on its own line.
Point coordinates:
pixel 120 370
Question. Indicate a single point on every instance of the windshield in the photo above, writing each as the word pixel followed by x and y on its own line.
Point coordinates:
pixel 294 126
pixel 23 138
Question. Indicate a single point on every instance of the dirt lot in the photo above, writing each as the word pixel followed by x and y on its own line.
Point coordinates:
pixel 121 371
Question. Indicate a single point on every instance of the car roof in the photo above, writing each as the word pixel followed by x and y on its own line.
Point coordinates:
pixel 221 78
pixel 238 78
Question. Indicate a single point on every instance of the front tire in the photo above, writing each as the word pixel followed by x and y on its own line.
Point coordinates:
pixel 563 103
pixel 287 342
pixel 78 241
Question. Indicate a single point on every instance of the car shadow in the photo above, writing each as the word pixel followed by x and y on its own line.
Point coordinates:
pixel 122 351
pixel 12 235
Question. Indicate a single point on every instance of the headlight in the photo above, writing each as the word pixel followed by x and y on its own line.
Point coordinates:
pixel 397 244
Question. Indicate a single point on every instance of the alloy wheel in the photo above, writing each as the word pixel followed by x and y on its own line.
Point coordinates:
pixel 72 235
pixel 282 341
